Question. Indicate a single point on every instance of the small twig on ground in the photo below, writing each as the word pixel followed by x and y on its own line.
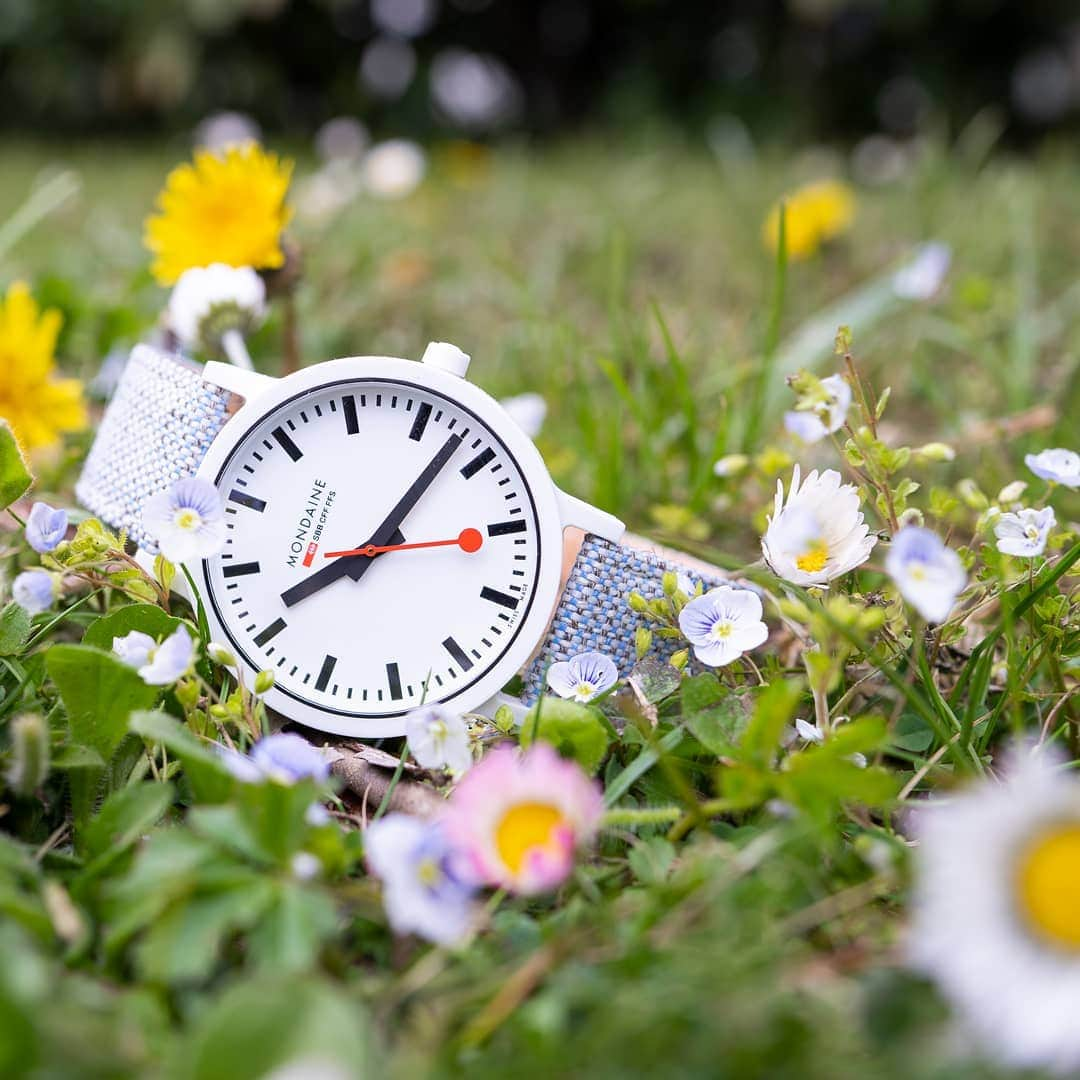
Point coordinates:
pixel 373 784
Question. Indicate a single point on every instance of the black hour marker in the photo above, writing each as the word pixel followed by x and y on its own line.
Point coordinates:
pixel 327 668
pixel 497 597
pixel 504 528
pixel 240 569
pixel 393 677
pixel 423 414
pixel 458 653
pixel 352 424
pixel 287 444
pixel 275 628
pixel 478 462
pixel 244 499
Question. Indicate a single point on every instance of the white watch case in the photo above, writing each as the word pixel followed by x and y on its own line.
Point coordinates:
pixel 442 371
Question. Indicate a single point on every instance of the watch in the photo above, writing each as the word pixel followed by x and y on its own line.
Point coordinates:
pixel 393 537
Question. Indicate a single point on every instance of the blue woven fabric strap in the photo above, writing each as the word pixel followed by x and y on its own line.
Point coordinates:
pixel 156 430
pixel 594 612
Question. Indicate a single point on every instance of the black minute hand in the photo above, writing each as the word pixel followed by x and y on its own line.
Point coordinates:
pixel 387 533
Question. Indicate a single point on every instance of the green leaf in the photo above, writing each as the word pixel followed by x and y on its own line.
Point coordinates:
pixel 211 781
pixel 720 727
pixel 148 618
pixel 15 475
pixel 74 756
pixel 572 728
pixel 99 692
pixel 292 931
pixel 820 779
pixel 651 859
pixel 619 784
pixel 699 692
pixel 276 815
pixel 911 733
pixel 655 679
pixel 258 1026
pixel 775 709
pixel 14 629
pixel 169 867
pixel 124 817
pixel 186 943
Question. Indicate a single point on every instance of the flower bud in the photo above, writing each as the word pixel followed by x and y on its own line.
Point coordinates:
pixel 504 719
pixel 643 640
pixel 680 659
pixel 638 603
pixel 731 465
pixel 969 491
pixel 911 516
pixel 264 681
pixel 936 451
pixel 29 764
pixel 1011 493
pixel 221 654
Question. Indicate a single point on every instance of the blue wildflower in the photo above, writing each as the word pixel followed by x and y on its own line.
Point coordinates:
pixel 45 527
pixel 34 590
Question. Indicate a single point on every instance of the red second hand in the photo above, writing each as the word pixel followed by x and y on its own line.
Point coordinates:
pixel 469 540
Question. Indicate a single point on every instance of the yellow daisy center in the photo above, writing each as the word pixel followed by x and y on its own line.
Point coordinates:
pixel 814 557
pixel 522 829
pixel 187 519
pixel 1048 885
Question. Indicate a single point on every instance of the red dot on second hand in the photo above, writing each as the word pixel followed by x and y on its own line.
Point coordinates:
pixel 470 540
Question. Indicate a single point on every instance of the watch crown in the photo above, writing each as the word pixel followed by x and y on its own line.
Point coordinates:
pixel 446 357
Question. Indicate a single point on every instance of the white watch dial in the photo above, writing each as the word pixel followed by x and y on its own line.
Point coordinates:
pixel 443 532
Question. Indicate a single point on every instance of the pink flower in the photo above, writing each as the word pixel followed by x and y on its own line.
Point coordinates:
pixel 519 818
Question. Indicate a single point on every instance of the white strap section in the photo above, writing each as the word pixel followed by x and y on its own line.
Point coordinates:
pixel 156 430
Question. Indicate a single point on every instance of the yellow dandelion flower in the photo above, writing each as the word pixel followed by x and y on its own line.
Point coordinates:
pixel 815 213
pixel 228 208
pixel 38 406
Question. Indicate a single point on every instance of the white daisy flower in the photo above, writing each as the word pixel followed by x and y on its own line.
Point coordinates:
pixel 158 665
pixel 921 278
pixel 723 624
pixel 820 533
pixel 187 520
pixel 583 677
pixel 812 426
pixel 1024 533
pixel 212 307
pixel 928 574
pixel 1058 466
pixel 995 911
pixel 393 169
pixel 438 739
pixel 528 411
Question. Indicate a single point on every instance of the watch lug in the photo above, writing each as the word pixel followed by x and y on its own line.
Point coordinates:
pixel 247 384
pixel 583 515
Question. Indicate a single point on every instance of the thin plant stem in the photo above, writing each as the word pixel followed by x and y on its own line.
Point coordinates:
pixel 234 347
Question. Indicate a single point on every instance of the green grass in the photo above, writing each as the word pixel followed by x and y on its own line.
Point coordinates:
pixel 555 269
pixel 626 283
